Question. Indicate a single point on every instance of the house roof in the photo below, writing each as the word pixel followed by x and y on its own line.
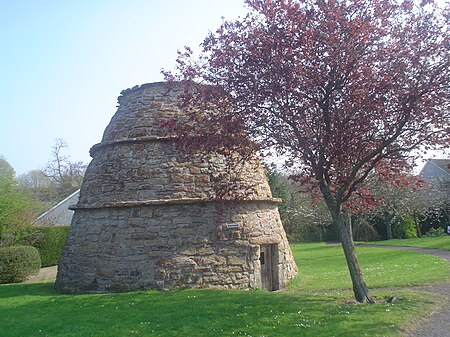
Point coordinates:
pixel 60 214
pixel 436 168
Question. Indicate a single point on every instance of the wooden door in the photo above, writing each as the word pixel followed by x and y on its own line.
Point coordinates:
pixel 265 258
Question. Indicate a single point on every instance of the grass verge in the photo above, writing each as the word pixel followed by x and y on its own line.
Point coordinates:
pixel 324 267
pixel 440 242
pixel 306 308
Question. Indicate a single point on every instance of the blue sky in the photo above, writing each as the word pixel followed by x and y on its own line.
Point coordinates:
pixel 64 63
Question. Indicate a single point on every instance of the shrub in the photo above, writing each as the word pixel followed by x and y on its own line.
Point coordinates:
pixel 435 217
pixel 50 243
pixel 17 263
pixel 404 228
pixel 305 233
pixel 363 230
pixel 435 232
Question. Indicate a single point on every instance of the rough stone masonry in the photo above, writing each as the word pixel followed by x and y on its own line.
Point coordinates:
pixel 149 218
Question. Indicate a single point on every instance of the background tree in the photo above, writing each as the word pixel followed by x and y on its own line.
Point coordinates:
pixel 432 205
pixel 304 218
pixel 60 178
pixel 340 88
pixel 17 211
pixel 67 175
pixel 40 187
pixel 395 201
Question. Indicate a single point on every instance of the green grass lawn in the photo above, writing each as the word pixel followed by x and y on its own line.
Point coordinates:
pixel 324 267
pixel 440 242
pixel 306 308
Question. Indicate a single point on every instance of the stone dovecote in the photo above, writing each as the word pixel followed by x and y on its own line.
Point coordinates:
pixel 149 218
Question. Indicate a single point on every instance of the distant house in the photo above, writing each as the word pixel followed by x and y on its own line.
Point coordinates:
pixel 60 214
pixel 436 170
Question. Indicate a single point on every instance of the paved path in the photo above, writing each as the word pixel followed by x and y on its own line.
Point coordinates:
pixel 438 325
pixel 445 254
pixel 45 274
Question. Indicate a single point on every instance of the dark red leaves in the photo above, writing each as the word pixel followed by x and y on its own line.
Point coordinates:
pixel 337 87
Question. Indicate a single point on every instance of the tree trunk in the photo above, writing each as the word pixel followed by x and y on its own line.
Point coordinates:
pixel 360 289
pixel 389 218
pixel 416 222
pixel 359 285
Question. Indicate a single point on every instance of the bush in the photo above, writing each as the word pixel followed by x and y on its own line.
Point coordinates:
pixel 17 263
pixel 435 232
pixel 305 233
pixel 50 243
pixel 435 217
pixel 404 228
pixel 363 230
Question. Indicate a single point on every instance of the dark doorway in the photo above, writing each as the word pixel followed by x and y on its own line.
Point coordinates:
pixel 267 258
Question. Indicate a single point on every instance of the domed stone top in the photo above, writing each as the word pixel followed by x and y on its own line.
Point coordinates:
pixel 136 163
pixel 141 110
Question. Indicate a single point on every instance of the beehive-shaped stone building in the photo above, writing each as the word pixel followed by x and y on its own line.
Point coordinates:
pixel 148 218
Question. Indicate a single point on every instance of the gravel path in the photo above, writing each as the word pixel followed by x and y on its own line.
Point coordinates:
pixel 438 324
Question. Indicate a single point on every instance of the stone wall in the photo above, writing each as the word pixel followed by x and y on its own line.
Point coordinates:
pixel 163 247
pixel 152 170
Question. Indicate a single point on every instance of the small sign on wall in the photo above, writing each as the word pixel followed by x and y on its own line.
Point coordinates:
pixel 233 226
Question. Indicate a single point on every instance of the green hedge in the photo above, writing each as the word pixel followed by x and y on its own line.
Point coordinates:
pixel 17 263
pixel 50 243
